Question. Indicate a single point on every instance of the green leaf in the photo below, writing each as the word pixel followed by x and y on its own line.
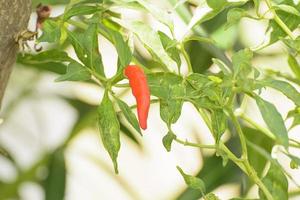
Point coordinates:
pixel 200 61
pixel 76 41
pixel 51 31
pixel 293 44
pixel 192 182
pixel 225 69
pixel 215 79
pixel 225 37
pixel 294 65
pixel 296 115
pixel 273 120
pixel 158 13
pixel 170 108
pixel 170 46
pixel 257 143
pixel 223 155
pixel 87 49
pixel 109 128
pixel 204 12
pixel 234 16
pixel 121 46
pixel 286 88
pixel 214 174
pixel 168 139
pixel 55 182
pixel 125 130
pixel 276 183
pixel 170 89
pixel 256 5
pixel 205 90
pixel 146 6
pixel 150 39
pixel 54 67
pixel 79 2
pixel 75 72
pixel 160 82
pixel 198 81
pixel 242 63
pixel 131 118
pixel 51 60
pixel 294 164
pixel 204 102
pixel 199 39
pixel 218 123
pixel 295 161
pixel 81 10
pixel 166 41
pixel 216 4
pixel 287 8
pixel 209 9
pixel 52 55
pixel 129 4
pixel 290 20
pixel 211 196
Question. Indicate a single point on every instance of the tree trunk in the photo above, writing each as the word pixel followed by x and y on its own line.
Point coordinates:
pixel 14 16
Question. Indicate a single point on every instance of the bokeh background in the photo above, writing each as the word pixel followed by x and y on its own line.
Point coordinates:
pixel 54 123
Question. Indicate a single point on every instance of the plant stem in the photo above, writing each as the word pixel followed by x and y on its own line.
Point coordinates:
pixel 284 27
pixel 125 85
pixel 266 131
pixel 222 147
pixel 253 175
pixel 205 119
pixel 77 24
pixel 187 143
pixel 243 164
pixel 240 134
pixel 231 156
pixel 281 75
pixel 279 21
pixel 84 26
pixel 295 141
pixel 257 126
pixel 97 76
pixel 294 193
pixel 186 16
pixel 187 58
pixel 249 169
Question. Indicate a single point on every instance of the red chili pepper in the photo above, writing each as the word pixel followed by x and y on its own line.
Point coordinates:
pixel 140 89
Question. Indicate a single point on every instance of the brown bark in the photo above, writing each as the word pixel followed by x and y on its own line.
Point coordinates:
pixel 14 16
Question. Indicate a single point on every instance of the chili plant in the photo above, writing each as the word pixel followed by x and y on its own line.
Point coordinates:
pixel 191 68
